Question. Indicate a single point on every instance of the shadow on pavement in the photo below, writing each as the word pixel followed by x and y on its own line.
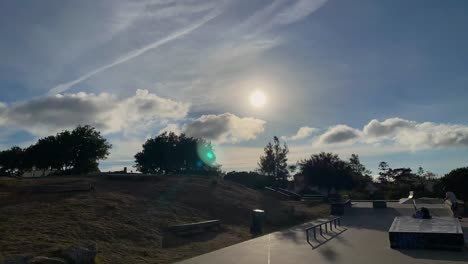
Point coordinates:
pixel 295 235
pixel 329 254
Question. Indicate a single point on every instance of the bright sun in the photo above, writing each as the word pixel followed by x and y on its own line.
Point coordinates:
pixel 258 99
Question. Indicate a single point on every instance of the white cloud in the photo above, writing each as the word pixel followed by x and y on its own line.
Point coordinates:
pixel 106 112
pixel 147 105
pixel 400 132
pixel 387 128
pixel 428 135
pixel 225 128
pixel 339 134
pixel 302 133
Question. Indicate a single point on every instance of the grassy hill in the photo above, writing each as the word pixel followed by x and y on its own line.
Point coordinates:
pixel 124 216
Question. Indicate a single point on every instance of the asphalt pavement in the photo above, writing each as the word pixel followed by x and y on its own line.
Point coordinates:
pixel 362 238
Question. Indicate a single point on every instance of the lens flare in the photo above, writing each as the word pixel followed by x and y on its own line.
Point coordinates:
pixel 206 154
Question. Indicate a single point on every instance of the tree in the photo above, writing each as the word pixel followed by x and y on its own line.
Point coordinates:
pixel 47 153
pixel 328 171
pixel 274 163
pixel 357 167
pixel 398 182
pixel 169 153
pixel 457 182
pixel 86 147
pixel 362 176
pixel 11 161
pixel 420 172
pixel 402 175
pixel 383 174
pixel 77 151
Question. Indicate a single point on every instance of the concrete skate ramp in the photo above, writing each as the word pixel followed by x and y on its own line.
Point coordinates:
pixel 365 241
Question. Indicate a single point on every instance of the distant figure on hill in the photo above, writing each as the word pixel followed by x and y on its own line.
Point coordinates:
pixel 453 200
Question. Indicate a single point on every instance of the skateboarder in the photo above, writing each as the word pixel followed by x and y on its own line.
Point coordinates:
pixel 453 200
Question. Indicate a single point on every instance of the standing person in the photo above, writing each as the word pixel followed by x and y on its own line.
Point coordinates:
pixel 453 200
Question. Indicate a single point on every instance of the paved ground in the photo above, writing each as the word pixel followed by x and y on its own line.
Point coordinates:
pixel 365 240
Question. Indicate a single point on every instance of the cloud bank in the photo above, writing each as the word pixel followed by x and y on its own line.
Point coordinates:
pixel 411 134
pixel 142 112
pixel 225 128
pixel 46 115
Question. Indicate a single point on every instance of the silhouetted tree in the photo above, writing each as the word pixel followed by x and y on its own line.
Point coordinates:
pixel 47 153
pixel 169 153
pixel 357 167
pixel 397 183
pixel 457 182
pixel 420 171
pixel 362 176
pixel 274 162
pixel 328 171
pixel 383 174
pixel 77 151
pixel 11 161
pixel 86 147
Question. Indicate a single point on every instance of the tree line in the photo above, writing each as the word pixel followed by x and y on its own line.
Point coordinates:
pixel 325 170
pixel 328 171
pixel 79 151
pixel 68 152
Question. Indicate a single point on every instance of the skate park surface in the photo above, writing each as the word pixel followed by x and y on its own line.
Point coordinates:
pixel 363 238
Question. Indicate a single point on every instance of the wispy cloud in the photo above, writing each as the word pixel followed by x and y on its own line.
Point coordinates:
pixel 138 52
pixel 279 12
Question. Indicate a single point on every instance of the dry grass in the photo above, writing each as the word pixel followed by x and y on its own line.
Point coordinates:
pixel 124 218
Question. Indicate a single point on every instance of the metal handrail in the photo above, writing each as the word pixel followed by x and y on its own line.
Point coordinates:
pixel 334 221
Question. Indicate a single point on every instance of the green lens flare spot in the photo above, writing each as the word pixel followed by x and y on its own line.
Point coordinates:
pixel 206 154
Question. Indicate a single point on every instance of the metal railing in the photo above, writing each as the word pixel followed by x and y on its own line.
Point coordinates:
pixel 329 224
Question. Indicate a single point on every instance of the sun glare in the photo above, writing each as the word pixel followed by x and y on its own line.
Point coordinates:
pixel 258 99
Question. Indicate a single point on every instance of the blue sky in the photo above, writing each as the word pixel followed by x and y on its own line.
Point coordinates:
pixel 384 79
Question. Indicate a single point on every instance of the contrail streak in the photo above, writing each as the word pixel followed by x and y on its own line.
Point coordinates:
pixel 135 53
